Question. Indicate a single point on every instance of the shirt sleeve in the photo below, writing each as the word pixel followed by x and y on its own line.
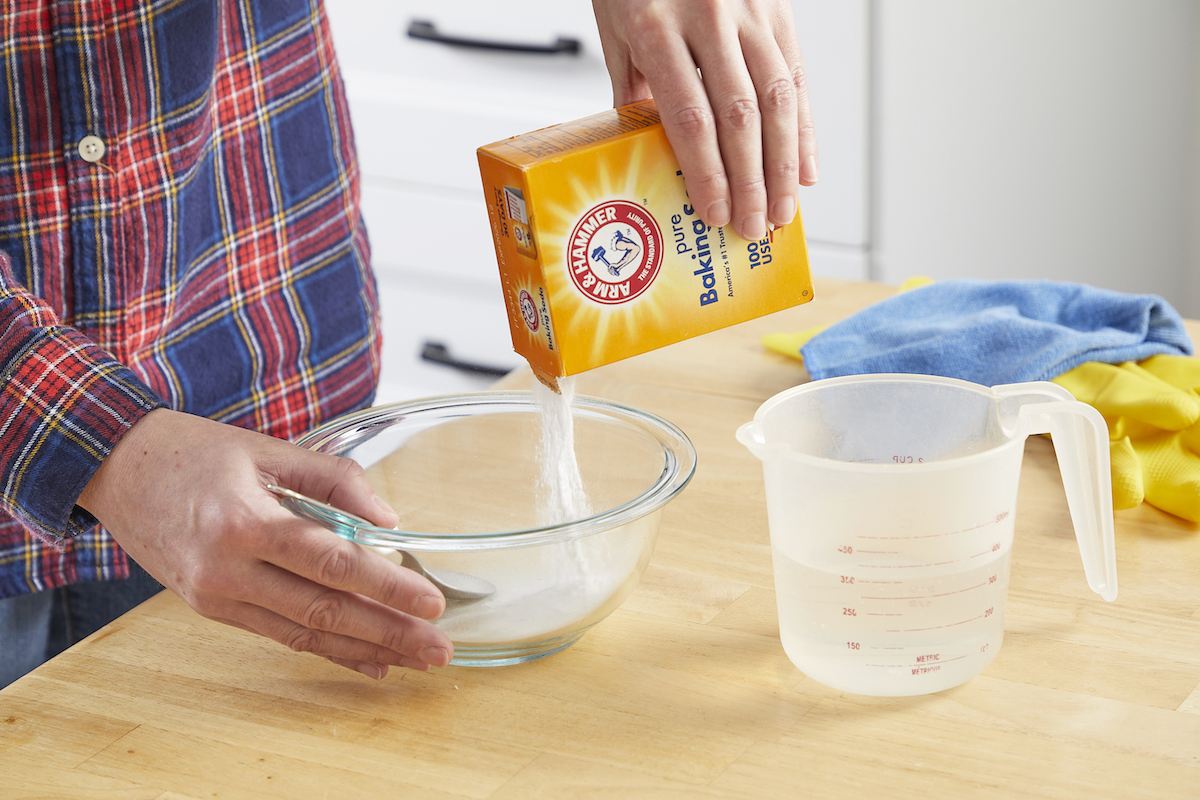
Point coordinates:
pixel 64 404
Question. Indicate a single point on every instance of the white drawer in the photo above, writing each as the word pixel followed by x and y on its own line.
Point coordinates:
pixel 372 36
pixel 405 134
pixel 421 109
pixel 438 234
pixel 473 327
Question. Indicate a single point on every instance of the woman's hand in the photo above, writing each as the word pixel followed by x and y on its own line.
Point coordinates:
pixel 728 80
pixel 185 497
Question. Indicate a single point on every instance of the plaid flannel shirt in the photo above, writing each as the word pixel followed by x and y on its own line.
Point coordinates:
pixel 203 250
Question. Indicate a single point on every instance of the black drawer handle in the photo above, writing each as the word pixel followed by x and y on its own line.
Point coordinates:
pixel 419 29
pixel 438 353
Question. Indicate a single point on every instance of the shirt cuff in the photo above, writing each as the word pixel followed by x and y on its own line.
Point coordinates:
pixel 64 405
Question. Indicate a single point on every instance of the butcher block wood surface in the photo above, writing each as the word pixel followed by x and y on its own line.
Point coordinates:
pixel 685 691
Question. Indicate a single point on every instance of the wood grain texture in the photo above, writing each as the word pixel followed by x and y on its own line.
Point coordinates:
pixel 685 692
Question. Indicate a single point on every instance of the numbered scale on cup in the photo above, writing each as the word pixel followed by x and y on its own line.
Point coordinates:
pixel 873 615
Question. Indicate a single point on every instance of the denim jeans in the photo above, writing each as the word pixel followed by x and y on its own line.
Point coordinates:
pixel 36 627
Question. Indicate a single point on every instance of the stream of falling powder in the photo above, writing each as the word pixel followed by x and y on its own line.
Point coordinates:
pixel 560 486
pixel 557 585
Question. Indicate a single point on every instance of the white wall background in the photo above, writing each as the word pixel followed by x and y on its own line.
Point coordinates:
pixel 1038 138
pixel 1192 267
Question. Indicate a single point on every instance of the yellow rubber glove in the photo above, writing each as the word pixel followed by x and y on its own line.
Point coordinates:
pixel 1153 415
pixel 789 344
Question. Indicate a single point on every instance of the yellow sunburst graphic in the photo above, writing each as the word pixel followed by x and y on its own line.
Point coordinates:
pixel 582 212
pixel 638 174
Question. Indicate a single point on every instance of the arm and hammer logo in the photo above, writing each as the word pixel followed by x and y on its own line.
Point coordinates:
pixel 615 252
pixel 528 310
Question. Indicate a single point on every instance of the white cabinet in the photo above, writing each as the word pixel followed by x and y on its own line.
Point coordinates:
pixel 421 109
pixel 835 40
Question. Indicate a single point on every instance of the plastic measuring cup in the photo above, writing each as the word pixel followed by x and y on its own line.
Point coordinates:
pixel 891 501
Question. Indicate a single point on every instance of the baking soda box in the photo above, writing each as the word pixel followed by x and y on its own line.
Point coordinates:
pixel 602 256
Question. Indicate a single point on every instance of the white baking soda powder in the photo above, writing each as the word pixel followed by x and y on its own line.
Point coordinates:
pixel 547 590
pixel 560 486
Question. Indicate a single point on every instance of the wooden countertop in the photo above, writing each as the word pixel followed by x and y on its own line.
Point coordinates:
pixel 684 692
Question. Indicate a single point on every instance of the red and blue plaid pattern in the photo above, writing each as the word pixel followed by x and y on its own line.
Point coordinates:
pixel 213 260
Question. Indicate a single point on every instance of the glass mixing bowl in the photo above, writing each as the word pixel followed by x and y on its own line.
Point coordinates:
pixel 464 474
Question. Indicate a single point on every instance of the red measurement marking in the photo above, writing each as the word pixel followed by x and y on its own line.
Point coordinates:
pixel 939 627
pixel 922 536
pixel 914 664
pixel 956 658
pixel 912 566
pixel 925 596
pixel 960 591
pixel 931 535
pixel 986 553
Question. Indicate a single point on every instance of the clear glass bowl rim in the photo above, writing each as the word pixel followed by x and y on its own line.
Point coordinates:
pixel 350 429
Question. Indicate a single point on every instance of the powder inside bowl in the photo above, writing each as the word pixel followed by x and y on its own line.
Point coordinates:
pixel 543 590
pixel 502 478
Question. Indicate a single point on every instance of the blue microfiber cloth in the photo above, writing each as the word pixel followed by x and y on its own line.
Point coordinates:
pixel 995 332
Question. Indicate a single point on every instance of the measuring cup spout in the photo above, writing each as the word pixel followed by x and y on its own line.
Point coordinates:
pixel 751 435
pixel 1080 438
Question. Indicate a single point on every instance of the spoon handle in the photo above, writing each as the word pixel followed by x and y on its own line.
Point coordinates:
pixel 453 585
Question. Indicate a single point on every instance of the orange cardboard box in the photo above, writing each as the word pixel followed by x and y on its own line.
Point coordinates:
pixel 602 256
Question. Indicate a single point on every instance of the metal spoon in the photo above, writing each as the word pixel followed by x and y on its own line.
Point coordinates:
pixel 453 585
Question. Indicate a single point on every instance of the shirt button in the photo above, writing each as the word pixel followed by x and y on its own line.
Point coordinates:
pixel 91 149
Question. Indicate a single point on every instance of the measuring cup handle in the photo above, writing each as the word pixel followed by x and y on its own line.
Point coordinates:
pixel 1080 438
